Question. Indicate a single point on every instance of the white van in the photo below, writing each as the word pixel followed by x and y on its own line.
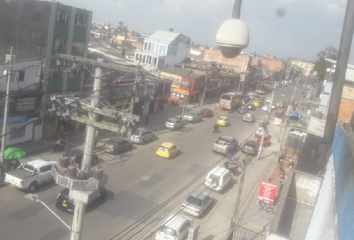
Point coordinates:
pixel 218 179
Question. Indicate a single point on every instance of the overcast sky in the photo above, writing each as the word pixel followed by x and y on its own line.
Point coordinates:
pixel 301 30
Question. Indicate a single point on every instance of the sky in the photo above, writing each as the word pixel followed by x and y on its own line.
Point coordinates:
pixel 284 28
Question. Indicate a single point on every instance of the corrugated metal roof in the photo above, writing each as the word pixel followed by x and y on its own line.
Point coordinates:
pixel 162 37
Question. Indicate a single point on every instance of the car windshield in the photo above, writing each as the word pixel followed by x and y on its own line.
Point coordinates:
pixel 214 177
pixel 112 142
pixel 29 167
pixel 194 201
pixel 169 231
pixel 171 120
pixel 164 149
pixel 221 119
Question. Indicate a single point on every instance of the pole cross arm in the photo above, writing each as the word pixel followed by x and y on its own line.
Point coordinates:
pixel 121 67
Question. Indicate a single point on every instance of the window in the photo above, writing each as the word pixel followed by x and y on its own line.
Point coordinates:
pixel 157 48
pixel 25 104
pixel 17 132
pixel 21 76
pixel 164 50
pixel 136 57
pixel 144 57
pixel 160 49
pixel 62 17
pixel 45 168
pixel 80 20
pixel 78 47
pixel 74 73
pixel 186 84
pixel 149 46
pixel 118 92
pixel 56 72
pixel 145 45
pixel 152 47
pixel 60 45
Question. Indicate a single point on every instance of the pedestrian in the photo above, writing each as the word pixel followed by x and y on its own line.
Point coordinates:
pixel 146 119
pixel 57 146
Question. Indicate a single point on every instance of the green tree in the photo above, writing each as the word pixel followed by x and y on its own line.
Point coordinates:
pixel 321 64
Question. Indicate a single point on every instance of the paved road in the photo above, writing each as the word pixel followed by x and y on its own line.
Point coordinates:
pixel 138 182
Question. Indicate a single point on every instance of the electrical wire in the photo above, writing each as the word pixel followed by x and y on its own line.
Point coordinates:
pixel 156 209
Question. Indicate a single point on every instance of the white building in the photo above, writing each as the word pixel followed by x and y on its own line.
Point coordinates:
pixel 163 48
pixel 24 104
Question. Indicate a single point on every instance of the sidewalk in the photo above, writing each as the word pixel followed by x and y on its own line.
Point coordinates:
pixel 250 220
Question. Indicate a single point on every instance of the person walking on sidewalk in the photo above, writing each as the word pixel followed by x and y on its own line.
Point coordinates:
pixel 58 146
pixel 147 119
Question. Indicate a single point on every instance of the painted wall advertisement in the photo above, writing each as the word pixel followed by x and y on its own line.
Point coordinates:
pixel 15 120
pixel 267 192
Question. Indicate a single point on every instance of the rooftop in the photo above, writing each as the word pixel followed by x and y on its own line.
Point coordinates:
pixel 182 72
pixel 162 37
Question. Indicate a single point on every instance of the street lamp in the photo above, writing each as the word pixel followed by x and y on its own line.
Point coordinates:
pixel 232 35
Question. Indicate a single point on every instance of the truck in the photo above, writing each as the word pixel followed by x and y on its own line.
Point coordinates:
pixel 28 176
pixel 225 144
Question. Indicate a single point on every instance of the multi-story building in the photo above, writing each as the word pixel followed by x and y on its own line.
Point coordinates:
pixel 163 48
pixel 43 29
pixel 24 105
pixel 305 67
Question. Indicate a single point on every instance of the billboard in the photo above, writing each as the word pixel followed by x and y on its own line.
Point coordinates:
pixel 267 192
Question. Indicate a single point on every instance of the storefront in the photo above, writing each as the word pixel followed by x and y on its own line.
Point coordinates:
pixel 19 131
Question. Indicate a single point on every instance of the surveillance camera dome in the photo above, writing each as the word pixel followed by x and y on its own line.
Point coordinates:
pixel 232 37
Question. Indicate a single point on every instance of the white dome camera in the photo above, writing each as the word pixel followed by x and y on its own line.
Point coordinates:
pixel 232 37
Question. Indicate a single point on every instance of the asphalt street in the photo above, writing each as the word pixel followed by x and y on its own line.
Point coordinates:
pixel 139 181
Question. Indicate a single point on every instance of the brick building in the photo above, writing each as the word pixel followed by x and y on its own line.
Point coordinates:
pixel 346 107
pixel 239 64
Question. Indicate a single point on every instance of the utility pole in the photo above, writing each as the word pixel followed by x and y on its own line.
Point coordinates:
pixel 271 102
pixel 339 74
pixel 204 91
pixel 6 111
pixel 80 206
pixel 261 145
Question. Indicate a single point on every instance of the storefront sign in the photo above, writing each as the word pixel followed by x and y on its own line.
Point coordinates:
pixel 267 192
pixel 15 120
pixel 180 91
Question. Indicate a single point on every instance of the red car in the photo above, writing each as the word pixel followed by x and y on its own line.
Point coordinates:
pixel 206 112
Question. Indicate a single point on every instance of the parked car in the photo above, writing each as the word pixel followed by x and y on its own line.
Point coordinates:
pixel 257 103
pixel 280 104
pixel 223 121
pixel 28 176
pixel 268 99
pixel 66 204
pixel 167 150
pixel 261 92
pixel 192 117
pixel 206 112
pixel 76 155
pixel 273 107
pixel 197 203
pixel 243 109
pixel 248 117
pixel 142 135
pixel 225 144
pixel 250 147
pixel 265 108
pixel 117 145
pixel 174 123
pixel 175 227
pixel 218 179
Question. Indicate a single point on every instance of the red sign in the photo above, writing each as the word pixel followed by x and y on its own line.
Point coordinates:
pixel 267 192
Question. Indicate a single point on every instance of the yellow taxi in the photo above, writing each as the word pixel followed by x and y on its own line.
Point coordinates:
pixel 268 100
pixel 223 121
pixel 167 150
pixel 280 104
pixel 257 103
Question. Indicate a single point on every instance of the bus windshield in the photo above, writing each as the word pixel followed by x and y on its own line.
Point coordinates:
pixel 226 97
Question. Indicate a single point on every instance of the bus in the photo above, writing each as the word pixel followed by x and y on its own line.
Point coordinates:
pixel 230 100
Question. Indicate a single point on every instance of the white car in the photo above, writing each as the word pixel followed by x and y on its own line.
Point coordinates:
pixel 218 179
pixel 176 227
pixel 265 108
pixel 28 176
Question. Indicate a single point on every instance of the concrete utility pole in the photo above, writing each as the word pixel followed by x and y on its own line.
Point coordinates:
pixel 6 111
pixel 80 207
pixel 271 102
pixel 339 74
pixel 204 91
pixel 261 145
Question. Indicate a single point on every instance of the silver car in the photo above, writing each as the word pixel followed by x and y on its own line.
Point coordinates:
pixel 142 135
pixel 197 203
pixel 174 123
pixel 192 117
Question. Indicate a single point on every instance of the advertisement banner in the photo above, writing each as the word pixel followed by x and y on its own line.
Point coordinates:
pixel 15 120
pixel 267 192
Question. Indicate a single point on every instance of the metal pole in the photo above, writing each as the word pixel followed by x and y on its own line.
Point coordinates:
pixel 282 135
pixel 271 102
pixel 6 111
pixel 236 11
pixel 80 207
pixel 204 91
pixel 339 74
pixel 61 220
pixel 261 145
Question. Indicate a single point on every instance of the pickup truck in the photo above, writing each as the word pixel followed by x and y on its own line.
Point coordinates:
pixel 225 144
pixel 28 176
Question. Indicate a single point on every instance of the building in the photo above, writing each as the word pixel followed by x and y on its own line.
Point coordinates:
pixel 163 48
pixel 239 64
pixel 24 105
pixel 305 67
pixel 44 29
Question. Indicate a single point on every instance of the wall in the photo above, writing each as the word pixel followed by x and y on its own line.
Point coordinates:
pixel 346 109
pixel 325 97
pixel 274 65
pixel 28 133
pixel 238 64
pixel 182 52
pixel 30 75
